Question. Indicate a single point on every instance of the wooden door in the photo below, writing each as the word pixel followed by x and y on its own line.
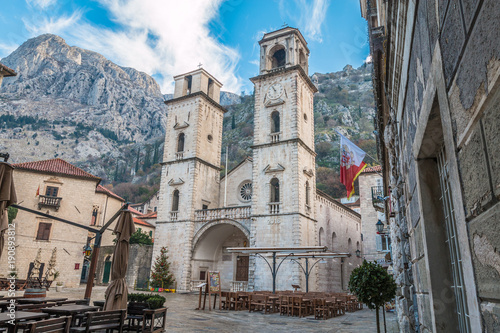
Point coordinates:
pixel 107 269
pixel 242 269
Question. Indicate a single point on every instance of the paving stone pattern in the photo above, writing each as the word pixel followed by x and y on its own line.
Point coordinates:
pixel 183 318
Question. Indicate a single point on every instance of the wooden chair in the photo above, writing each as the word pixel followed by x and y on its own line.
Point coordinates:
pixel 298 306
pixel 154 320
pixel 224 300
pixel 259 303
pixel 234 302
pixel 320 309
pixel 74 301
pixel 285 305
pixel 135 316
pixel 102 320
pixel 55 325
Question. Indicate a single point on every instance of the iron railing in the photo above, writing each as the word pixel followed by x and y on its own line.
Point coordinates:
pixel 48 201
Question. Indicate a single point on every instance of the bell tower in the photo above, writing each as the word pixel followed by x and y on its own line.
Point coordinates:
pixel 284 179
pixel 191 166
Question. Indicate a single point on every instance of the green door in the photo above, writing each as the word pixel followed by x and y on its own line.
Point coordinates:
pixel 107 269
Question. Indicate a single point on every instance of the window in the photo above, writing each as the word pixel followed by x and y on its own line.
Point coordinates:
pixel 275 190
pixel 210 88
pixel 321 237
pixel 278 59
pixel 302 59
pixel 43 232
pixel 246 191
pixel 93 221
pixel 203 275
pixel 187 84
pixel 180 143
pixel 204 207
pixel 51 191
pixel 275 122
pixel 150 233
pixel 308 190
pixel 175 201
pixel 383 243
pixel 334 235
pixel 349 245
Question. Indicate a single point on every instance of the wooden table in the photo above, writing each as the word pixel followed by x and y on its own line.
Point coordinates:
pixel 40 300
pixel 70 310
pixel 19 316
pixel 274 299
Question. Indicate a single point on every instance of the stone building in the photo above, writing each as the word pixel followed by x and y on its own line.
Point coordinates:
pixel 269 199
pixel 148 206
pixel 60 189
pixel 372 209
pixel 5 72
pixel 436 70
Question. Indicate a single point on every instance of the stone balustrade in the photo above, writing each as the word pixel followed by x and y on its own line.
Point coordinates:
pixel 173 216
pixel 239 212
pixel 239 286
pixel 274 208
pixel 275 137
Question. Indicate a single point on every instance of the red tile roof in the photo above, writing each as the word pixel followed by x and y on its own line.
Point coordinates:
pixel 144 223
pixel 135 211
pixel 102 189
pixel 6 71
pixel 373 169
pixel 151 215
pixel 56 166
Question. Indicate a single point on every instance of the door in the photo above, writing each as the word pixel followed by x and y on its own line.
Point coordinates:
pixel 242 269
pixel 107 269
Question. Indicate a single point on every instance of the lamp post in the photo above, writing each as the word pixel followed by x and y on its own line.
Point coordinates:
pixel 380 226
pixel 87 250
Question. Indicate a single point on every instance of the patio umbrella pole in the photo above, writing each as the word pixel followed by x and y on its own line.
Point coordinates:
pixel 95 252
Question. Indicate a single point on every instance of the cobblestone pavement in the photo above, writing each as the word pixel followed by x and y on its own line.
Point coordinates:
pixel 183 318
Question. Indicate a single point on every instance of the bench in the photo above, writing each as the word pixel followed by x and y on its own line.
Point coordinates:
pixel 55 325
pixel 102 320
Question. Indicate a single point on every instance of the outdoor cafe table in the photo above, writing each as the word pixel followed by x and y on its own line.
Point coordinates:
pixel 40 300
pixel 70 310
pixel 20 315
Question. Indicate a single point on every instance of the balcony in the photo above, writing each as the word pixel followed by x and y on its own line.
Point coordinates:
pixel 275 137
pixel 48 201
pixel 179 155
pixel 378 198
pixel 274 208
pixel 238 212
pixel 173 216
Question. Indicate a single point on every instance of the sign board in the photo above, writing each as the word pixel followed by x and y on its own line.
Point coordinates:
pixel 213 284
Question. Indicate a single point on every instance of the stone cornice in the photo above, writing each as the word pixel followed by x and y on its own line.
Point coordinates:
pixel 297 140
pixel 196 159
pixel 198 93
pixel 282 70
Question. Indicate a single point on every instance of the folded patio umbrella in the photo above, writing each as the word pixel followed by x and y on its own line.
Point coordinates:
pixel 7 198
pixel 116 294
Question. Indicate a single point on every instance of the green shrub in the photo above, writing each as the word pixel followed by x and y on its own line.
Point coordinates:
pixel 156 302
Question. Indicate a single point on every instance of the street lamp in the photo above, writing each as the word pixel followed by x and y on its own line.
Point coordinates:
pixel 380 226
pixel 87 250
pixel 358 253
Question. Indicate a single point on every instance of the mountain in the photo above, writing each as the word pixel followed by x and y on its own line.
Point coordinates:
pixel 75 104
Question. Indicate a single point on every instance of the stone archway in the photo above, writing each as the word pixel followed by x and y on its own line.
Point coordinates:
pixel 209 252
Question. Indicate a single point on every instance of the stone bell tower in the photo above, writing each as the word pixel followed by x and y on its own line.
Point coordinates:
pixel 191 165
pixel 284 180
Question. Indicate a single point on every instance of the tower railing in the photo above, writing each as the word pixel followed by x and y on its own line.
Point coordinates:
pixel 238 212
pixel 274 207
pixel 179 155
pixel 173 216
pixel 275 137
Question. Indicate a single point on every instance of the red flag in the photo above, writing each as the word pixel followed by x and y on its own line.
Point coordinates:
pixel 351 163
pixel 37 191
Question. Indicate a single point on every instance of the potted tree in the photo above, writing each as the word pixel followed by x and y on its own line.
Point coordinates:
pixel 373 286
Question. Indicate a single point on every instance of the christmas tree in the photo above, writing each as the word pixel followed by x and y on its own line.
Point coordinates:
pixel 161 276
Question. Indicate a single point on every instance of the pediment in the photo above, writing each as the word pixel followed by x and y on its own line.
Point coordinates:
pixel 276 168
pixel 308 172
pixel 54 180
pixel 181 126
pixel 175 181
pixel 273 102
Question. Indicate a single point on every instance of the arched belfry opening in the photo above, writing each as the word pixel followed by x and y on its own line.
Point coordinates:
pixel 275 190
pixel 188 81
pixel 303 60
pixel 175 201
pixel 180 143
pixel 278 57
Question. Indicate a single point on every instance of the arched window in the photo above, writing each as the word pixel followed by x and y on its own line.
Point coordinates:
pixel 349 245
pixel 275 122
pixel 275 190
pixel 334 236
pixel 278 58
pixel 187 84
pixel 357 246
pixel 180 143
pixel 308 193
pixel 302 59
pixel 175 201
pixel 321 237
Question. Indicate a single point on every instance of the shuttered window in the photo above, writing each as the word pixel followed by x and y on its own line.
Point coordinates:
pixel 43 231
pixel 51 191
pixel 378 239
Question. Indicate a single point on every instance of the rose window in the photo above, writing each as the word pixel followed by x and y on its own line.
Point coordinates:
pixel 246 191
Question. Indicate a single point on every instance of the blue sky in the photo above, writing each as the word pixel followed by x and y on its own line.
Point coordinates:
pixel 167 37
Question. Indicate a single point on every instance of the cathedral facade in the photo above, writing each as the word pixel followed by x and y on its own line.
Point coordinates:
pixel 269 199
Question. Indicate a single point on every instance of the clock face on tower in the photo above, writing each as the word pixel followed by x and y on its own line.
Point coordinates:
pixel 275 91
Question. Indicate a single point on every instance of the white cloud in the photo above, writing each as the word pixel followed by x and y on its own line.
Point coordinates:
pixel 162 38
pixel 44 24
pixel 41 3
pixel 312 16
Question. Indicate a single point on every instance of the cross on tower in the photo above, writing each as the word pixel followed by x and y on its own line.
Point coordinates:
pixel 199 65
pixel 284 25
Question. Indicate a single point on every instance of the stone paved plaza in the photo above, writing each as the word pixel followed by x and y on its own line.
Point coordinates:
pixel 183 318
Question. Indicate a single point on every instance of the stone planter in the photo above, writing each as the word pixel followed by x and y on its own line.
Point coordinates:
pixel 59 288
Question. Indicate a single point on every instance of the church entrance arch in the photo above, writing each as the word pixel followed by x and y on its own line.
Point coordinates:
pixel 210 252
